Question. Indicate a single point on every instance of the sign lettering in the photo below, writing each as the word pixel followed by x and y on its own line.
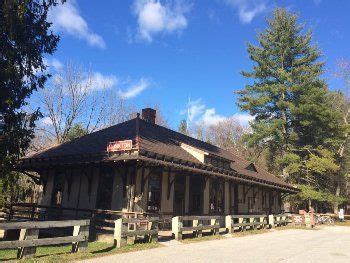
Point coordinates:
pixel 119 146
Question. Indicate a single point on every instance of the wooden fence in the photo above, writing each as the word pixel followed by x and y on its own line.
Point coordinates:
pixel 127 230
pixel 29 235
pixel 280 220
pixel 194 224
pixel 100 220
pixel 244 222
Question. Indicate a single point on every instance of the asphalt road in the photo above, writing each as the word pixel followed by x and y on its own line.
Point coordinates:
pixel 329 244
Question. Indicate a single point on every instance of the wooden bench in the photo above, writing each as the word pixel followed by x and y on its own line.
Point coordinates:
pixel 244 222
pixel 127 230
pixel 29 236
pixel 196 225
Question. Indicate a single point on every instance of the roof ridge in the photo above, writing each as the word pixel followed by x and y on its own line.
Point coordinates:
pixel 190 137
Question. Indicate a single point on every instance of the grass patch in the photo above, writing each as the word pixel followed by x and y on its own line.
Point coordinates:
pixel 296 227
pixel 250 232
pixel 200 239
pixel 62 253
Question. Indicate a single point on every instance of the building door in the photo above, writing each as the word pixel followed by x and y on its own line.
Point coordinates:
pixel 105 191
pixel 196 195
pixel 179 197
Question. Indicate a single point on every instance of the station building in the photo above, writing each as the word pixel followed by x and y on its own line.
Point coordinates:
pixel 143 167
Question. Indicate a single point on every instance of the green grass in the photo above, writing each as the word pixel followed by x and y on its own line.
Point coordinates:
pixel 62 253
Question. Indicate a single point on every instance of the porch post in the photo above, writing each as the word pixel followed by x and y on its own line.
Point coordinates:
pixel 227 197
pixel 187 194
pixel 206 195
pixel 167 202
pixel 46 199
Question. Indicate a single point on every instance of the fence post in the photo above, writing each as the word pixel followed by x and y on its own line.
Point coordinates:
pixel 176 225
pixel 228 224
pixel 196 233
pixel 252 220
pixel 93 226
pixel 240 221
pixel 81 230
pixel 27 234
pixel 271 221
pixel 213 223
pixel 119 241
pixel 261 220
pixel 155 226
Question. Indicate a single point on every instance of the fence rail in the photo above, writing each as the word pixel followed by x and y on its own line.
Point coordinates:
pixel 244 222
pixel 127 230
pixel 195 224
pixel 29 236
pixel 101 220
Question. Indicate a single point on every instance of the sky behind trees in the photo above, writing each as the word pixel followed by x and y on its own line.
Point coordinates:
pixel 166 52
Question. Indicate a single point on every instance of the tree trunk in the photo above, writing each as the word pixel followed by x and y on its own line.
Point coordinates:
pixel 337 193
pixel 310 205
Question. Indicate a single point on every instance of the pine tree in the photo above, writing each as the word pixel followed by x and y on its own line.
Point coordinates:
pixel 294 117
pixel 25 37
pixel 183 127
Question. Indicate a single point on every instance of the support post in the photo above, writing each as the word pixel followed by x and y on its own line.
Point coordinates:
pixel 154 237
pixel 228 224
pixel 82 245
pixel 119 241
pixel 271 221
pixel 176 225
pixel 240 221
pixel 251 220
pixel 27 234
pixel 213 223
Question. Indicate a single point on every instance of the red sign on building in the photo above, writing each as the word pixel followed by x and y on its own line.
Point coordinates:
pixel 119 146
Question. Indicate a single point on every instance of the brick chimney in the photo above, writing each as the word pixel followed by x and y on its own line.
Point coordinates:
pixel 149 115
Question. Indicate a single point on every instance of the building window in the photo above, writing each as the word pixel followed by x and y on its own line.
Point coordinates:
pixel 216 197
pixel 217 162
pixel 154 193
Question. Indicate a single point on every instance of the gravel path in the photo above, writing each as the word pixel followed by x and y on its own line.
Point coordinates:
pixel 329 244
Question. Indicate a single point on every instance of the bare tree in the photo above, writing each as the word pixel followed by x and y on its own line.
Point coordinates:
pixel 72 98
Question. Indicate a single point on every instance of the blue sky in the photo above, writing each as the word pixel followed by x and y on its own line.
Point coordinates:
pixel 166 52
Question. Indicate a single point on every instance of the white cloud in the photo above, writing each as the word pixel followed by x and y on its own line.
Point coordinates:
pixel 66 18
pixel 197 112
pixel 153 17
pixel 194 109
pixel 210 117
pixel 100 81
pixel 134 89
pixel 243 118
pixel 248 9
pixel 53 63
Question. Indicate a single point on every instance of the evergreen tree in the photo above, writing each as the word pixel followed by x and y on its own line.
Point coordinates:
pixel 183 127
pixel 293 111
pixel 76 132
pixel 25 37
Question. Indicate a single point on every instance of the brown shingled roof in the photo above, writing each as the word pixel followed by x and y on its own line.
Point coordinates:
pixel 151 138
